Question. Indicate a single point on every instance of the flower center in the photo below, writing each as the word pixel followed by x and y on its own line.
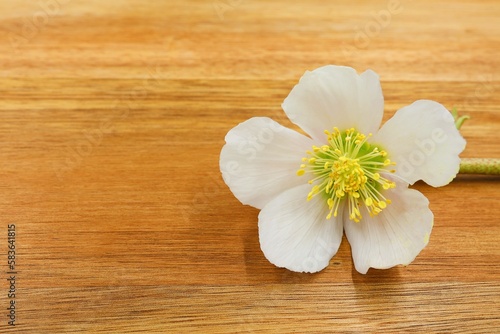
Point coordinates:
pixel 347 170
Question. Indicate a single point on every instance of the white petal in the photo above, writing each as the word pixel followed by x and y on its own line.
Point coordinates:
pixel 260 160
pixel 295 234
pixel 424 142
pixel 336 96
pixel 395 236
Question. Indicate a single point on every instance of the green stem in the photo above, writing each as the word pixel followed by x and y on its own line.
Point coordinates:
pixel 480 166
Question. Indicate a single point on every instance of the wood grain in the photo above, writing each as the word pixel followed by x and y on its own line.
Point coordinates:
pixel 112 117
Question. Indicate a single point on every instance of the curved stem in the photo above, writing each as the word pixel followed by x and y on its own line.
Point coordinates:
pixel 480 166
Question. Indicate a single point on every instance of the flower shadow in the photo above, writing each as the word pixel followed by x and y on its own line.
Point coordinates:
pixel 461 178
pixel 379 287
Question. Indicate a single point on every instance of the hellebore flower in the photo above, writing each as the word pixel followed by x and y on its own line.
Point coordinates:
pixel 347 175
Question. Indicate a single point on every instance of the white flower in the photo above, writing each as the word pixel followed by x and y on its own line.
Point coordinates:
pixel 348 175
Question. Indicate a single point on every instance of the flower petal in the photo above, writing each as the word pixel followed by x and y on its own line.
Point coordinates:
pixel 295 234
pixel 336 96
pixel 260 160
pixel 424 142
pixel 395 236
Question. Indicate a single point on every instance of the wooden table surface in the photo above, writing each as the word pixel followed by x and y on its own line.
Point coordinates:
pixel 112 117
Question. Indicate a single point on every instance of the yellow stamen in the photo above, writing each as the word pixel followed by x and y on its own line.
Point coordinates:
pixel 349 171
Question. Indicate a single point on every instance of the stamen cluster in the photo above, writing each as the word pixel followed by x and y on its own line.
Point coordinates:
pixel 348 169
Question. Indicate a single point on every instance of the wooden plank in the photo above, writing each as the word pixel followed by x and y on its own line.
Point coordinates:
pixel 112 117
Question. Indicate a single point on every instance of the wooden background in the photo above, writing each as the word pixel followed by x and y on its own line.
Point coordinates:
pixel 112 117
